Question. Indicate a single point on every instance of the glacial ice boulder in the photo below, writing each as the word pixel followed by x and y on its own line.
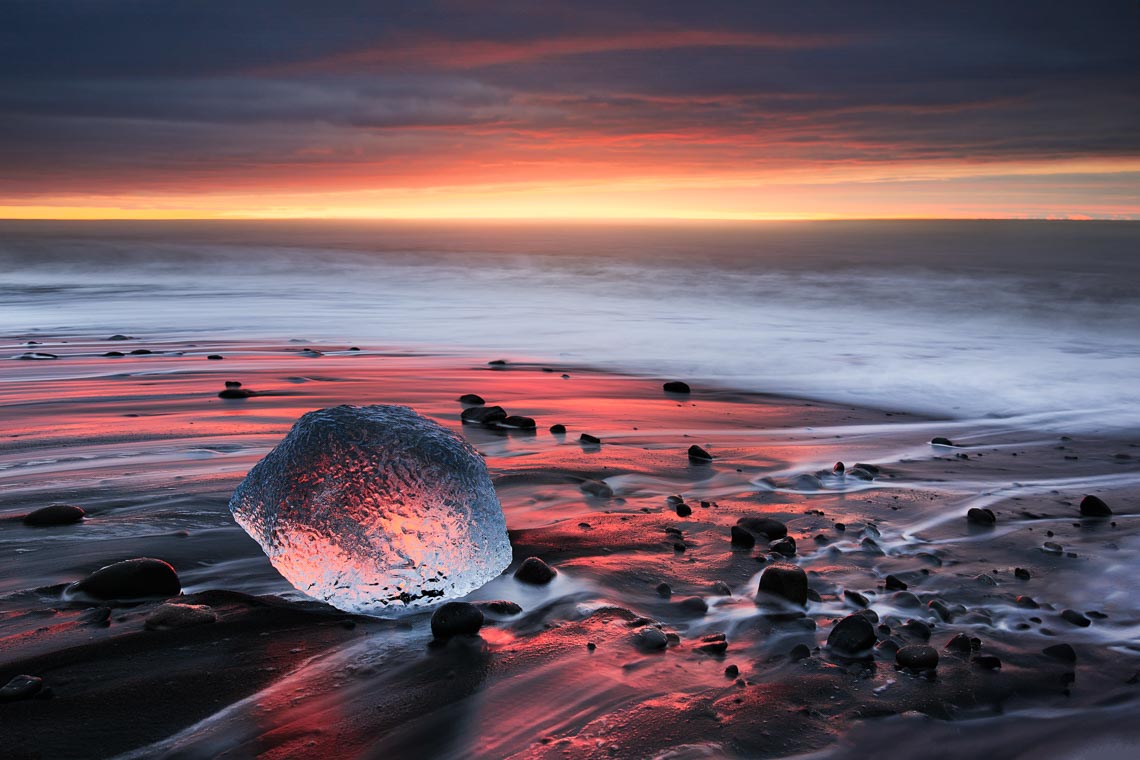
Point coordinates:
pixel 375 508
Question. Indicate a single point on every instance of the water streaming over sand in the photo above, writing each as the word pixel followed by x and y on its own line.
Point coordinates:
pixel 959 319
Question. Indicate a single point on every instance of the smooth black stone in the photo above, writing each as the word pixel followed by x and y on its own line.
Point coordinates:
pixel 960 643
pixel 54 514
pixel 732 671
pixel 839 468
pixel 940 441
pixel 1076 618
pixel 872 469
pixel 1063 652
pixel 519 422
pixel 141 352
pixel 713 643
pixel 651 639
pixel 1092 506
pixel 785 546
pixel 535 571
pixel 1021 574
pixel 456 619
pixel 860 474
pixel 851 636
pixel 917 657
pixel 500 607
pixel 799 652
pixel 596 488
pixel 118 337
pixel 807 482
pixel 132 579
pixel 742 538
pixel 21 687
pixel 215 357
pixel 36 355
pixel 558 429
pixel 765 526
pixel 354 348
pixel 483 415
pixel 588 439
pixel 697 454
pixel 855 598
pixel 983 517
pixel 785 581
pixel 693 605
pixel 497 363
pixel 472 399
pixel 114 354
pixel 684 510
pixel 676 386
pixel 233 384
pixel 236 393
pixel 893 583
pixel 665 590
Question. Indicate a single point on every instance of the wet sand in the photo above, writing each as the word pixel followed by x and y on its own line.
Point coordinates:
pixel 145 446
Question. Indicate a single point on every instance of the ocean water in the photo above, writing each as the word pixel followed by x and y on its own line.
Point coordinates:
pixel 1034 321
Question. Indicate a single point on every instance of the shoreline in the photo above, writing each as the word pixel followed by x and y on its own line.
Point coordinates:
pixel 144 444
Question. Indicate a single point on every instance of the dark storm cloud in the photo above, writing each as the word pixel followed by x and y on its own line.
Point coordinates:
pixel 121 94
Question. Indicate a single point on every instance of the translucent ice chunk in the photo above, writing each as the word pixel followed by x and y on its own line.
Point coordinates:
pixel 373 508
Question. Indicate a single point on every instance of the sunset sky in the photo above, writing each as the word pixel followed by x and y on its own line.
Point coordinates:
pixel 733 110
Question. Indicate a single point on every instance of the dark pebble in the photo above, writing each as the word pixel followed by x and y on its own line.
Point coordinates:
pixel 558 429
pixel 1021 574
pixel 500 607
pixel 172 616
pixel 472 399
pixel 1027 602
pixel 742 538
pixel 236 393
pixel 114 354
pixel 785 546
pixel 215 357
pixel 21 687
pixel 940 441
pixel 839 468
pixel 665 590
pixel 596 488
pixel 731 671
pixel 720 588
pixel 591 646
pixel 116 336
pixel 1092 506
pixel 713 643
pixel 851 636
pixel 54 514
pixel 497 363
pixel 684 510
pixel 984 517
pixel 141 352
pixel 483 415
pixel 676 386
pixel 917 657
pixel 132 579
pixel 588 439
pixel 894 584
pixel 916 628
pixel 1063 652
pixel 651 639
pixel 785 581
pixel 456 619
pixel 855 598
pixel 38 356
pixel 519 422
pixel 766 526
pixel 1076 618
pixel 697 454
pixel 960 643
pixel 233 384
pixel 799 652
pixel 535 571
pixel 693 605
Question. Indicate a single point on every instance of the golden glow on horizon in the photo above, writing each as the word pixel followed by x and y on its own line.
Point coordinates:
pixel 882 191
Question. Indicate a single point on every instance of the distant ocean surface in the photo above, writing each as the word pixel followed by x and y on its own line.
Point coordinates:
pixel 1034 320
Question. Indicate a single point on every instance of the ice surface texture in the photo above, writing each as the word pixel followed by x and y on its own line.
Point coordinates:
pixel 375 508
